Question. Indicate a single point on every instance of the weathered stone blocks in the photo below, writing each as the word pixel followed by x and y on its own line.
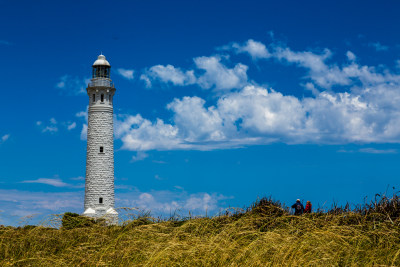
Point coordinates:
pixel 99 186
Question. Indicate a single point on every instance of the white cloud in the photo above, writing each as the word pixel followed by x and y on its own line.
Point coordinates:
pixel 257 115
pixel 378 151
pixel 54 126
pixel 49 181
pixel 378 46
pixel 78 178
pixel 322 74
pixel 5 137
pixel 17 203
pixel 72 85
pixel 168 74
pixel 127 74
pixel 83 135
pixel 140 155
pixel 350 56
pixel 71 126
pixel 311 87
pixel 167 202
pixel 365 109
pixel 252 115
pixel 139 134
pixel 256 50
pixel 146 80
pixel 194 121
pixel 327 75
pixel 51 127
pixel 85 116
pixel 218 76
pixel 60 84
pixel 212 74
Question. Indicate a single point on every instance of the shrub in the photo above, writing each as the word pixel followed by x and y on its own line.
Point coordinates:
pixel 73 220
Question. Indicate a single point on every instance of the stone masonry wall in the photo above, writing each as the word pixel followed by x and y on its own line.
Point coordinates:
pixel 100 165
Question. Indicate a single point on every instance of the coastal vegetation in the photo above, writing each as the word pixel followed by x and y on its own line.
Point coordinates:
pixel 265 234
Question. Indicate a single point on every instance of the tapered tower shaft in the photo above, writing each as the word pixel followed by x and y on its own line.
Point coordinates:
pixel 99 184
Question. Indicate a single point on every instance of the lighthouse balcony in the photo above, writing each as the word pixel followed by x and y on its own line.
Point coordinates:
pixel 101 83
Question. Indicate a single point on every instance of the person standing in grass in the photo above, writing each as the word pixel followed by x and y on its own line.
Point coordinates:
pixel 308 207
pixel 298 207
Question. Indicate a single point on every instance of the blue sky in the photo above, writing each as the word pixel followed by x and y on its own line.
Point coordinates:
pixel 217 103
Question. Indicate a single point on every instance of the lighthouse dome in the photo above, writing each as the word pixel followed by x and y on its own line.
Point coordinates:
pixel 101 61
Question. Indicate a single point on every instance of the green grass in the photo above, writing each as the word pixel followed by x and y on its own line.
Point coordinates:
pixel 263 235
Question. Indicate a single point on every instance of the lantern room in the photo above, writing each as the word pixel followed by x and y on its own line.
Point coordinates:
pixel 101 68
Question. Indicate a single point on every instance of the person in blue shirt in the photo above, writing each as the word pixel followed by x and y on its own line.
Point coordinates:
pixel 298 207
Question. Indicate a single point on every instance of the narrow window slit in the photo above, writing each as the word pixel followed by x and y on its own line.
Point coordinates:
pixel 94 98
pixel 102 98
pixel 101 200
pixel 101 149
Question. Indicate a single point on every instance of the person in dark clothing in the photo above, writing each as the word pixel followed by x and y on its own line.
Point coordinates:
pixel 308 207
pixel 298 207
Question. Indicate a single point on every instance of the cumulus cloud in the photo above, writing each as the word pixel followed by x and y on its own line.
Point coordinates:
pixel 322 74
pixel 326 75
pixel 126 73
pixel 194 121
pixel 259 115
pixel 256 50
pixel 365 109
pixel 140 134
pixel 168 74
pixel 218 76
pixel 210 73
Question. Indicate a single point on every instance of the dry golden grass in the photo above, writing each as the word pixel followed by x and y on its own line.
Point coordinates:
pixel 263 236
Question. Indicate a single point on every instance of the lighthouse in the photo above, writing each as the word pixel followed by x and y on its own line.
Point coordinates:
pixel 99 182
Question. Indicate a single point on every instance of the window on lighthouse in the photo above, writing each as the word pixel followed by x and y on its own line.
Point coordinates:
pixel 102 98
pixel 101 200
pixel 101 149
pixel 94 98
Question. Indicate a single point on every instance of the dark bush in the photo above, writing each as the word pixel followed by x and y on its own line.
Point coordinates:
pixel 268 207
pixel 29 227
pixel 73 220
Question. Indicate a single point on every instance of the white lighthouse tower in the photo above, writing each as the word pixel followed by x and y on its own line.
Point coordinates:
pixel 99 185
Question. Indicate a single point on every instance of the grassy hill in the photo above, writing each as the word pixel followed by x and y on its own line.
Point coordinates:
pixel 263 235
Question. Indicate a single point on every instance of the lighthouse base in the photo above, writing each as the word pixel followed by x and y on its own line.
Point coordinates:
pixel 110 215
